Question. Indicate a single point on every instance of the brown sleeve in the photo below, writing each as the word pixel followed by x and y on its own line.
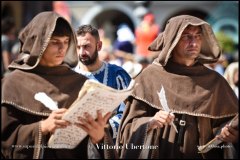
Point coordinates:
pixel 19 139
pixel 134 126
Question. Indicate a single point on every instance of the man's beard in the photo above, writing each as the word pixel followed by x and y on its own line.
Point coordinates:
pixel 89 60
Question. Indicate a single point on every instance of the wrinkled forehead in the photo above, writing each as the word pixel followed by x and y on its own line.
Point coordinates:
pixel 191 28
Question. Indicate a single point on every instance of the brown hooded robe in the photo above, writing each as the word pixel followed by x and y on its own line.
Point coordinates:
pixel 201 100
pixel 21 113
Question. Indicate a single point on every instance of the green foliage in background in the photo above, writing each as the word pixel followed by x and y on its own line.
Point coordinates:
pixel 226 42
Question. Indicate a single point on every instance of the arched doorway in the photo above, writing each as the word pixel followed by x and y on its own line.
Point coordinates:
pixel 109 17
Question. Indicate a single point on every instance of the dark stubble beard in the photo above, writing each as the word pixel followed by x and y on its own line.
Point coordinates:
pixel 89 60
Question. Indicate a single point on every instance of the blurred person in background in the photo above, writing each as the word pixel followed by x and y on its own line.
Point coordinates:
pixel 231 75
pixel 8 39
pixel 145 33
pixel 123 46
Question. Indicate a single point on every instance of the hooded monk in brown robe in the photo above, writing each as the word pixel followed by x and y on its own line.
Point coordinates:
pixel 200 100
pixel 47 53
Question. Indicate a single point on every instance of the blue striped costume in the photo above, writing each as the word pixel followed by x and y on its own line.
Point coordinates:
pixel 115 77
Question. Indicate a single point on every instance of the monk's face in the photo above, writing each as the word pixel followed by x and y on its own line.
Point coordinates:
pixel 189 46
pixel 55 51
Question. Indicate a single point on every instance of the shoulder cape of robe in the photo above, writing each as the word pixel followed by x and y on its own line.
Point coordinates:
pixel 21 113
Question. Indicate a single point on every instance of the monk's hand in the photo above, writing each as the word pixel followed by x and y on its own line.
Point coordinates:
pixel 160 119
pixel 94 128
pixel 228 134
pixel 54 121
